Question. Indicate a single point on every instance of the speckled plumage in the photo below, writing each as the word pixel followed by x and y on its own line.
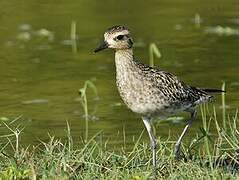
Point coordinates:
pixel 153 92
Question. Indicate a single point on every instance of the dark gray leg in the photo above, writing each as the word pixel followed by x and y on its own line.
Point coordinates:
pixel 152 138
pixel 178 144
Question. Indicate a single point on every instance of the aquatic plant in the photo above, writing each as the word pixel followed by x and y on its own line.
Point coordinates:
pixel 84 103
pixel 197 20
pixel 153 51
pixel 73 37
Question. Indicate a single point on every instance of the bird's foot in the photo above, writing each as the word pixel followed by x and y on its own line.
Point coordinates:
pixel 177 154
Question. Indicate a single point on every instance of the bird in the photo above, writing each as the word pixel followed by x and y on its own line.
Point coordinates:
pixel 148 91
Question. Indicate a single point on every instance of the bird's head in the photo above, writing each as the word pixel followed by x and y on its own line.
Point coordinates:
pixel 116 37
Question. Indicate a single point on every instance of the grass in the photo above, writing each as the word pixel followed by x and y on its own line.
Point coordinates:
pixel 207 156
pixel 204 158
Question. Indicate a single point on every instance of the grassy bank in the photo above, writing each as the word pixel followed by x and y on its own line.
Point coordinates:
pixel 208 156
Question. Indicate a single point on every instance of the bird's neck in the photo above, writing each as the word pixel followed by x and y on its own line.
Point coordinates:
pixel 125 67
pixel 123 59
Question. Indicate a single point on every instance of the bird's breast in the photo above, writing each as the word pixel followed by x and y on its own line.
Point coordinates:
pixel 138 93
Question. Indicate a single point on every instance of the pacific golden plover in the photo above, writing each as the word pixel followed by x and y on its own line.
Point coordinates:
pixel 150 92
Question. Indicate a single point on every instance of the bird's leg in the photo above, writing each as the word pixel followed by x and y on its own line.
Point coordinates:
pixel 152 138
pixel 178 144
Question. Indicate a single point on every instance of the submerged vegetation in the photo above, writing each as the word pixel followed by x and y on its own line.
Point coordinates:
pixel 208 156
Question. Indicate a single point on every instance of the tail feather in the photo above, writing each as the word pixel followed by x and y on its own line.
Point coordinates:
pixel 212 90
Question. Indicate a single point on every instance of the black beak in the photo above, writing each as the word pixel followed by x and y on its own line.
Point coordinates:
pixel 104 45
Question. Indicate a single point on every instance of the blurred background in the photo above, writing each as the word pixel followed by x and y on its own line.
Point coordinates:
pixel 46 57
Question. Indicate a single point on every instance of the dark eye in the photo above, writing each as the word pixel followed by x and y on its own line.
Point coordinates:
pixel 120 37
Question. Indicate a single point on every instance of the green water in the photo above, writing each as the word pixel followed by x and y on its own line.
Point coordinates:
pixel 40 76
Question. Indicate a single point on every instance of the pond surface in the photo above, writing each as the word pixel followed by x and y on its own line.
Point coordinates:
pixel 40 75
